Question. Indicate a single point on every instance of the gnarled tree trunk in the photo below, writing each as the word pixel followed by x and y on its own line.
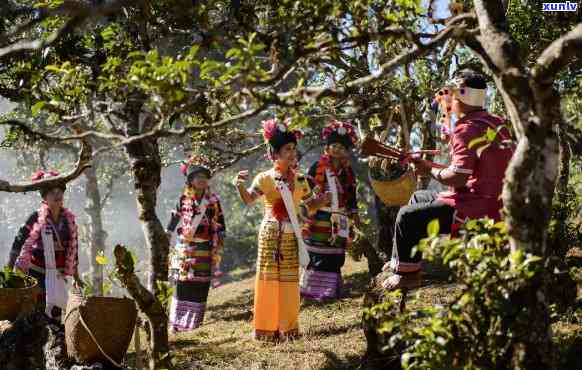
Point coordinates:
pixel 94 208
pixel 527 197
pixel 146 166
pixel 150 306
pixel 533 105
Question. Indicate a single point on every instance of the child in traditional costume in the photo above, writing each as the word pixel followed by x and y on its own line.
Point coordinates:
pixel 195 259
pixel 46 247
pixel 329 229
pixel 281 248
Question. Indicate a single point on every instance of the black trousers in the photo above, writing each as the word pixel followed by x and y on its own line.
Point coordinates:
pixel 411 223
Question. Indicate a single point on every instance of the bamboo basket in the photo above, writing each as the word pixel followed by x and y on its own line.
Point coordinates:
pixel 397 192
pixel 99 329
pixel 15 302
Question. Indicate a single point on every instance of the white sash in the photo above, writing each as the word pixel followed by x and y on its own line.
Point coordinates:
pixel 175 263
pixel 55 283
pixel 290 207
pixel 333 188
pixel 338 220
pixel 201 213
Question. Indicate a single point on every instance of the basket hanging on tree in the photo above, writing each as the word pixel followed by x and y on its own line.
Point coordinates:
pixel 18 294
pixel 392 182
pixel 390 175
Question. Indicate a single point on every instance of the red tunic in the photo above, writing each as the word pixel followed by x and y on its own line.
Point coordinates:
pixel 481 195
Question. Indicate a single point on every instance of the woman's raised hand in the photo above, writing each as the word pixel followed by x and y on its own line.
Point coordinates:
pixel 241 178
pixel 239 182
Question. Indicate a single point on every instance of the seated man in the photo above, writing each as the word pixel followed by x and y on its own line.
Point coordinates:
pixel 475 178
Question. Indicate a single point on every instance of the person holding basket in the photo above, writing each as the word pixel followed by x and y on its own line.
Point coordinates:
pixel 47 248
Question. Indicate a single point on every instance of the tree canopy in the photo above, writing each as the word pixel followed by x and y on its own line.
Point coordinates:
pixel 134 76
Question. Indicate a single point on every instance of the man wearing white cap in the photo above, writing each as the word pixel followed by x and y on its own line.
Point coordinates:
pixel 474 177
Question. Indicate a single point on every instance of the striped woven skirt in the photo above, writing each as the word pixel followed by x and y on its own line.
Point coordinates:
pixel 322 279
pixel 276 311
pixel 188 304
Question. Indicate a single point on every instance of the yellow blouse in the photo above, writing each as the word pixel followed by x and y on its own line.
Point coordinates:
pixel 264 184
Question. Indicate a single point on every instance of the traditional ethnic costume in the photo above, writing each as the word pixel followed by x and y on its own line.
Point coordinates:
pixel 48 251
pixel 329 229
pixel 196 256
pixel 479 197
pixel 281 248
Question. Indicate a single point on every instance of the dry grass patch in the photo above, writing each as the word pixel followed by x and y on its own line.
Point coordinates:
pixel 332 337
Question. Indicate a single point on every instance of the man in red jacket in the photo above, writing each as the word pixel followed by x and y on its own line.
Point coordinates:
pixel 474 177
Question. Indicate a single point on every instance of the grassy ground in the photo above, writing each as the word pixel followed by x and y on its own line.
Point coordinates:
pixel 332 336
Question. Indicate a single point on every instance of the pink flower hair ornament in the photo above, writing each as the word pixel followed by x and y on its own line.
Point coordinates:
pixel 41 175
pixel 276 134
pixel 196 164
pixel 340 132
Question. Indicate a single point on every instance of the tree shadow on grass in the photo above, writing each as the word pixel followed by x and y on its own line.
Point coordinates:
pixel 354 287
pixel 571 355
pixel 239 276
pixel 357 283
pixel 435 272
pixel 205 341
pixel 333 331
pixel 186 347
pixel 198 356
pixel 332 362
pixel 239 308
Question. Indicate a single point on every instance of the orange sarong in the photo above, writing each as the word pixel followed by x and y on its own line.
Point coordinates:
pixel 277 301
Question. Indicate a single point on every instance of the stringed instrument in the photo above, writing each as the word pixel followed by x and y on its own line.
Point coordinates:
pixel 372 147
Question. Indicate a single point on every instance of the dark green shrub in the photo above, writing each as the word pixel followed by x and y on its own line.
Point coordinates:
pixel 475 331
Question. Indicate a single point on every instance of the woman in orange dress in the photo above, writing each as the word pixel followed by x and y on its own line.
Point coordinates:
pixel 281 250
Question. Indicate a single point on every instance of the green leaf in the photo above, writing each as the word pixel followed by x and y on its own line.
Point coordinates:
pixel 502 226
pixel 234 52
pixel 133 259
pixel 53 68
pixel 136 55
pixel 36 108
pixel 476 141
pixel 490 134
pixel 433 228
pixel 471 225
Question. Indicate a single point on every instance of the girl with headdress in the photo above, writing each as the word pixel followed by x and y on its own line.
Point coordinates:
pixel 195 259
pixel 46 247
pixel 329 229
pixel 281 248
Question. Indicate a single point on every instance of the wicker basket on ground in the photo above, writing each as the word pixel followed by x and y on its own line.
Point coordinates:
pixel 18 301
pixel 396 192
pixel 99 329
